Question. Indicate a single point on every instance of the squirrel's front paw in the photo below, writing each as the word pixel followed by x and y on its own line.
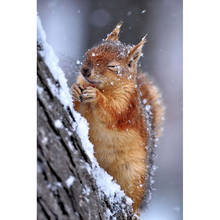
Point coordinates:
pixel 76 91
pixel 89 95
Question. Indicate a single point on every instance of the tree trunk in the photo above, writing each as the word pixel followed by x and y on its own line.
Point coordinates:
pixel 66 189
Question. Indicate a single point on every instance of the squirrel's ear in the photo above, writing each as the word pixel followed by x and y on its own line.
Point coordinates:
pixel 113 36
pixel 135 53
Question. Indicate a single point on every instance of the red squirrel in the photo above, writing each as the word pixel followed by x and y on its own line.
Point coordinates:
pixel 107 94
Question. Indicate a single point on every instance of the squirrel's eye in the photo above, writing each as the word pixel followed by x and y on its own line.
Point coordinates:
pixel 113 67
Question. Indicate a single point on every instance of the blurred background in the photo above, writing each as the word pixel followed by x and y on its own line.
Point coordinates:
pixel 74 26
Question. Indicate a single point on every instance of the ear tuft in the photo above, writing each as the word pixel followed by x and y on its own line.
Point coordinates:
pixel 136 52
pixel 113 36
pixel 144 38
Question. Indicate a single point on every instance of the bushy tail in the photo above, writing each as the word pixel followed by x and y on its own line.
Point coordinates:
pixel 151 98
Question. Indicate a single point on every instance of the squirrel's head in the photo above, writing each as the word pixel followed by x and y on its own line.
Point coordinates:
pixel 111 62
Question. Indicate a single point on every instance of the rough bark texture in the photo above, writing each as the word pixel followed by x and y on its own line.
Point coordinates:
pixel 60 155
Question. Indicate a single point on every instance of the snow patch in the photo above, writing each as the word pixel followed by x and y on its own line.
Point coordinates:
pixel 78 62
pixel 39 90
pixel 69 181
pixel 147 107
pixel 54 186
pixel 44 140
pixel 144 101
pixel 86 190
pixel 58 124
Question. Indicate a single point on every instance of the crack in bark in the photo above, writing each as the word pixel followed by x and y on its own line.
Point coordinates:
pixel 43 209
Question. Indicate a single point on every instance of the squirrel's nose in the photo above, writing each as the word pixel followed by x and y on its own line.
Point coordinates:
pixel 86 72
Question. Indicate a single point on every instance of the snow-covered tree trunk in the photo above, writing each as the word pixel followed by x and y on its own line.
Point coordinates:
pixel 71 185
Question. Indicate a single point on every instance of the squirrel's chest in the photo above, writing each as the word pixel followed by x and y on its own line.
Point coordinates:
pixel 105 143
pixel 112 146
pixel 100 135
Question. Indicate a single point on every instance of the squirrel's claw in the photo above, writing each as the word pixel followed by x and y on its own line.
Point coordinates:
pixel 88 95
pixel 76 92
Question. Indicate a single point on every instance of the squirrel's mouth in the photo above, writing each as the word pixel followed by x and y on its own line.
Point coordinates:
pixel 96 83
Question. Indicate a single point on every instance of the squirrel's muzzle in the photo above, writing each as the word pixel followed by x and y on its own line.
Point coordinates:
pixel 86 72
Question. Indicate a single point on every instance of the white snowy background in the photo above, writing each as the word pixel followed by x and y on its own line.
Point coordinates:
pixel 73 26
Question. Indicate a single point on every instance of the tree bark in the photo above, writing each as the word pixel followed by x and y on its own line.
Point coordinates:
pixel 65 188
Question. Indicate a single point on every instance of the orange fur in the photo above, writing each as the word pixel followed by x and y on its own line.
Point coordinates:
pixel 106 95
